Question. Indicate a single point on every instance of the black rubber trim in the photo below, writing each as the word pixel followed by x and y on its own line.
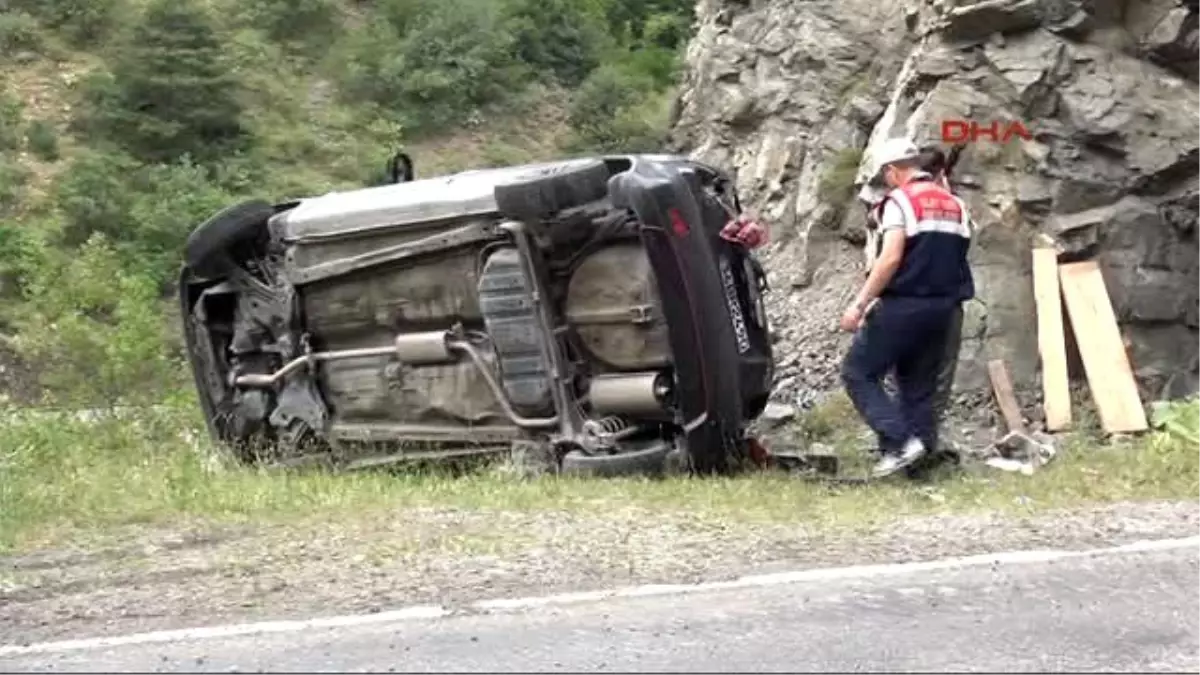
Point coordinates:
pixel 650 461
pixel 702 340
pixel 546 190
pixel 205 252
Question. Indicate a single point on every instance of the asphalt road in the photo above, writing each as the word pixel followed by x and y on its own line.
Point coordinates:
pixel 1123 612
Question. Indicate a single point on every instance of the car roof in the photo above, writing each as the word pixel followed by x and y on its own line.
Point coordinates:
pixel 458 195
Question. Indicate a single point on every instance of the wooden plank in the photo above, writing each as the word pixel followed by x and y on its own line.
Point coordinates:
pixel 1052 345
pixel 1109 374
pixel 1005 398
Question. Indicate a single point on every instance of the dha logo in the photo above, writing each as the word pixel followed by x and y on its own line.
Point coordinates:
pixel 972 131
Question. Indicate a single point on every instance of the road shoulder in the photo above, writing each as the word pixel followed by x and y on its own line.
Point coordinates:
pixel 171 580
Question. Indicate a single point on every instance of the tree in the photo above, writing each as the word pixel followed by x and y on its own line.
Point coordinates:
pixel 170 93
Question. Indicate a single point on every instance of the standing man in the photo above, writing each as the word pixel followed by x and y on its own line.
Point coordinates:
pixel 918 278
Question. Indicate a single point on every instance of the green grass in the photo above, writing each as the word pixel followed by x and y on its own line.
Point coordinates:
pixel 67 481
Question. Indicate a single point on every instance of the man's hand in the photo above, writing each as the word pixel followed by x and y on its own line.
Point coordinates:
pixel 745 231
pixel 852 319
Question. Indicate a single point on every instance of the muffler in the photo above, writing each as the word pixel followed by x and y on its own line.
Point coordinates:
pixel 425 349
pixel 419 349
pixel 646 394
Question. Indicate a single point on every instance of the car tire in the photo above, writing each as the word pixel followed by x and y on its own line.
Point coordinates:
pixel 547 190
pixel 649 460
pixel 204 252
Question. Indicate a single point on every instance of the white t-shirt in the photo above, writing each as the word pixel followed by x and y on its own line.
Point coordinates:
pixel 892 217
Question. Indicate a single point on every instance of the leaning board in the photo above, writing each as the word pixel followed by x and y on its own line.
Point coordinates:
pixel 1002 387
pixel 1101 349
pixel 1052 346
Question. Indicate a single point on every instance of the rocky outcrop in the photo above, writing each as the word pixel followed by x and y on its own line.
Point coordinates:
pixel 796 94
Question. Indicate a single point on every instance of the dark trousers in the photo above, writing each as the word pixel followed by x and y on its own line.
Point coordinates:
pixel 905 336
pixel 946 371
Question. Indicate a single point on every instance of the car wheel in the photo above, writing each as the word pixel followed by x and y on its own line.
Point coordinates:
pixel 546 190
pixel 205 250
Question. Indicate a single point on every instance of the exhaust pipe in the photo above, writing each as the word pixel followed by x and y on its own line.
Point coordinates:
pixel 417 349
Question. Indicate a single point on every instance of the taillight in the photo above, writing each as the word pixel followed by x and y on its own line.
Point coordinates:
pixel 678 224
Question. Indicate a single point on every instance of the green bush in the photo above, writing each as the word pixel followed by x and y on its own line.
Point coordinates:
pixel 309 25
pixel 19 32
pixel 403 15
pixel 619 109
pixel 13 177
pixel 658 64
pixel 42 140
pixel 642 23
pixel 96 329
pixel 22 249
pixel 94 196
pixel 1178 420
pixel 442 62
pixel 604 94
pixel 668 30
pixel 12 121
pixel 170 201
pixel 82 22
pixel 143 212
pixel 98 103
pixel 564 38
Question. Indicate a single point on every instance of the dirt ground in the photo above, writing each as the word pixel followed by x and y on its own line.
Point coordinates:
pixel 161 580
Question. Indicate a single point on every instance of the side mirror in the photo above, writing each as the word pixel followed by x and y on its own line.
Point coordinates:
pixel 400 168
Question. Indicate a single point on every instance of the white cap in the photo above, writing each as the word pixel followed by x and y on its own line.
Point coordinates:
pixel 894 150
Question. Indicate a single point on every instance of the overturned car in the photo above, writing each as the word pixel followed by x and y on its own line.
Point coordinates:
pixel 585 311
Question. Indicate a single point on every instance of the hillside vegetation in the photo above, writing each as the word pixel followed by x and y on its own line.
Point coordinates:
pixel 123 123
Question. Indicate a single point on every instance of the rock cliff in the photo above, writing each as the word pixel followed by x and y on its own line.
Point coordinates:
pixel 794 94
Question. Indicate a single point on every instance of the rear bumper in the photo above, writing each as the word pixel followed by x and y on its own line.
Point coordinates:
pixel 718 334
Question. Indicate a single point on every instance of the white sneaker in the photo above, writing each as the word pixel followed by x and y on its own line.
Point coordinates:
pixel 892 462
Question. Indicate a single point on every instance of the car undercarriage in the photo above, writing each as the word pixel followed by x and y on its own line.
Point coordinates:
pixel 585 312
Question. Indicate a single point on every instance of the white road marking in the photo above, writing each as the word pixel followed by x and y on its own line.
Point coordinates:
pixel 231 630
pixel 511 604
